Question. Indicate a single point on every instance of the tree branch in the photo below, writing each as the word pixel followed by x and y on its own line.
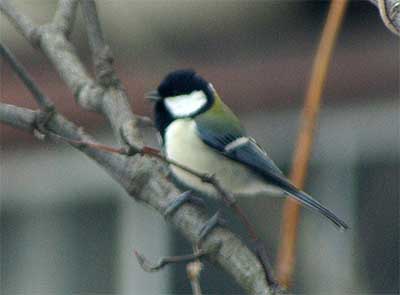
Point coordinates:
pixel 17 117
pixel 62 55
pixel 101 52
pixel 65 16
pixel 38 95
pixel 115 103
pixel 20 21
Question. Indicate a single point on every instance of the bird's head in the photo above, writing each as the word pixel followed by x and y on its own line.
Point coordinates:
pixel 181 94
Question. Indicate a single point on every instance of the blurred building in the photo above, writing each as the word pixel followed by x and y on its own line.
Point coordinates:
pixel 66 227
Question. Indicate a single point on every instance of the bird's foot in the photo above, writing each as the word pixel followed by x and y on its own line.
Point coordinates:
pixel 210 224
pixel 180 200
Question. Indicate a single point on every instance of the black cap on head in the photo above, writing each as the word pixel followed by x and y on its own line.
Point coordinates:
pixel 181 82
pixel 176 83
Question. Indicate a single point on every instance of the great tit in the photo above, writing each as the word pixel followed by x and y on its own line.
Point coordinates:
pixel 200 132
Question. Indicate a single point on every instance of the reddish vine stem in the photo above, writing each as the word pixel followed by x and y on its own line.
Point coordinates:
pixel 312 105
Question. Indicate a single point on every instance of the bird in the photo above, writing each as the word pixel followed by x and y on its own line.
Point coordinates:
pixel 199 131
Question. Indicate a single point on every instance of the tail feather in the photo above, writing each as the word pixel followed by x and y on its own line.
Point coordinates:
pixel 308 201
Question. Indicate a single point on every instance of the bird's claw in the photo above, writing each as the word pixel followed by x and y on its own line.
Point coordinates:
pixel 186 196
pixel 214 221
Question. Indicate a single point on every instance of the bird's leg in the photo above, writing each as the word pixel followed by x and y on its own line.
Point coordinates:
pixel 186 196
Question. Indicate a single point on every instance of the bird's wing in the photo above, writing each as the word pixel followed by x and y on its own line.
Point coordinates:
pixel 223 132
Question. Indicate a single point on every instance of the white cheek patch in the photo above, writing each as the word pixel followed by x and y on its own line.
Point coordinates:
pixel 186 104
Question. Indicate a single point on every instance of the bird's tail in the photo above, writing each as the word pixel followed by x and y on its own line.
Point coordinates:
pixel 308 201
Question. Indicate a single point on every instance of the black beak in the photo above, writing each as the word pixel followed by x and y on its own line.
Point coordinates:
pixel 153 96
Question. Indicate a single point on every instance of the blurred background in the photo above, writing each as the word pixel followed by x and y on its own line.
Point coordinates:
pixel 67 228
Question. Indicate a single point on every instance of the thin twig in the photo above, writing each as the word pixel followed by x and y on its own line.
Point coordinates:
pixel 115 103
pixel 21 22
pixel 64 17
pixel 101 52
pixel 291 210
pixel 41 99
pixel 152 267
pixel 93 28
pixel 193 270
